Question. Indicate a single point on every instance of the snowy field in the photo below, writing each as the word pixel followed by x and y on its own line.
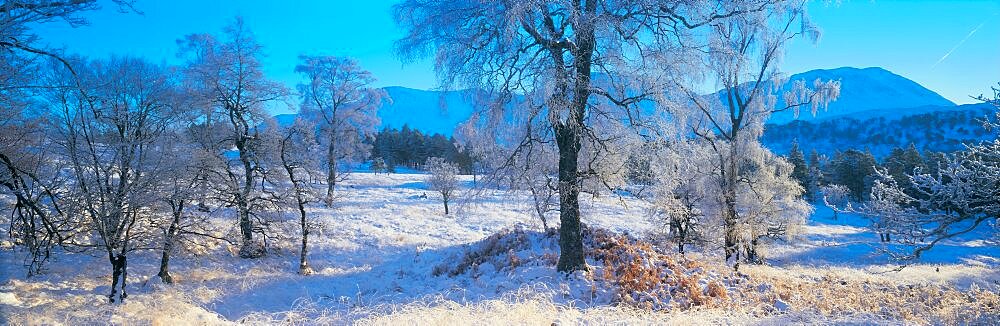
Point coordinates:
pixel 388 255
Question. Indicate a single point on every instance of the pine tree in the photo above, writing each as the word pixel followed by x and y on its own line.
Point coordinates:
pixel 800 171
pixel 817 178
pixel 854 169
pixel 901 163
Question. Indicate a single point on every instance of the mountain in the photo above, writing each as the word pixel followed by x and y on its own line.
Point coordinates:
pixel 427 111
pixel 935 128
pixel 877 109
pixel 865 89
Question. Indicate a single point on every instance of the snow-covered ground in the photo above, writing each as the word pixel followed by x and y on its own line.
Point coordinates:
pixel 385 253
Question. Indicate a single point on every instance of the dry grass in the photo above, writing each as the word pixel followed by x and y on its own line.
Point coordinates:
pixel 498 249
pixel 541 310
pixel 835 294
pixel 648 278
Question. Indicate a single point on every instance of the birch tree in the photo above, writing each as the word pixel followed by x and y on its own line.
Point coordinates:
pixel 297 152
pixel 443 179
pixel 743 55
pixel 537 61
pixel 28 172
pixel 227 76
pixel 108 130
pixel 338 94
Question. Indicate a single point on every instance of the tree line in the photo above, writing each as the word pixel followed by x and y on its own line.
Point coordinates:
pixel 411 148
pixel 856 170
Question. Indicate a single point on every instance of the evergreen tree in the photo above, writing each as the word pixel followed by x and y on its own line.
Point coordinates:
pixel 854 169
pixel 901 163
pixel 800 171
pixel 817 176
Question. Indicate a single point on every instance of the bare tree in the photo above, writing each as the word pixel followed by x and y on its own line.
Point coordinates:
pixel 108 133
pixel 27 171
pixel 835 196
pixel 229 78
pixel 683 190
pixel 297 151
pixel 537 61
pixel 338 93
pixel 182 179
pixel 443 178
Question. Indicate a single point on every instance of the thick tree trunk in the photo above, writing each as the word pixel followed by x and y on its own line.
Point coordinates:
pixel 571 256
pixel 446 212
pixel 751 253
pixel 248 248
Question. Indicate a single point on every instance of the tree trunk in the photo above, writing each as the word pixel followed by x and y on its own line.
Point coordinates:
pixel 118 271
pixel 446 206
pixel 571 257
pixel 248 248
pixel 304 268
pixel 729 213
pixel 168 244
pixel 539 206
pixel 331 172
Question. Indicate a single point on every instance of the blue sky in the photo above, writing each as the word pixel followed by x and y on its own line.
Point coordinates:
pixel 909 38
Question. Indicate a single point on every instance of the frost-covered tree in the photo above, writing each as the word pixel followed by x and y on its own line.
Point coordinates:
pixel 683 192
pixel 834 196
pixel 182 180
pixel 570 73
pixel 29 172
pixel 298 151
pixel 443 179
pixel 339 95
pixel 227 76
pixel 743 56
pixel 962 194
pixel 108 127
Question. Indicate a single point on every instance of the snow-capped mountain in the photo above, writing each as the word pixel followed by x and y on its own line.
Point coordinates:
pixel 877 109
pixel 866 89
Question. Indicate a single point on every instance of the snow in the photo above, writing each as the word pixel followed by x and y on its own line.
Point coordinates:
pixel 865 89
pixel 385 249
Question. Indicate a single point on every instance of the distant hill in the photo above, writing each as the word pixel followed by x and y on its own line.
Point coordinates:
pixel 877 109
pixel 942 129
pixel 427 111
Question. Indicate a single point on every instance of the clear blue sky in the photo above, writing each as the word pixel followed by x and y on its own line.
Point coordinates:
pixel 909 38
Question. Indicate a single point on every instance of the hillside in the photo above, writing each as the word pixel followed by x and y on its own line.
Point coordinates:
pixel 428 111
pixel 877 109
pixel 866 89
pixel 941 129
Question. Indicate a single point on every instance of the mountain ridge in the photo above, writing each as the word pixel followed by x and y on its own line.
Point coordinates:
pixel 870 94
